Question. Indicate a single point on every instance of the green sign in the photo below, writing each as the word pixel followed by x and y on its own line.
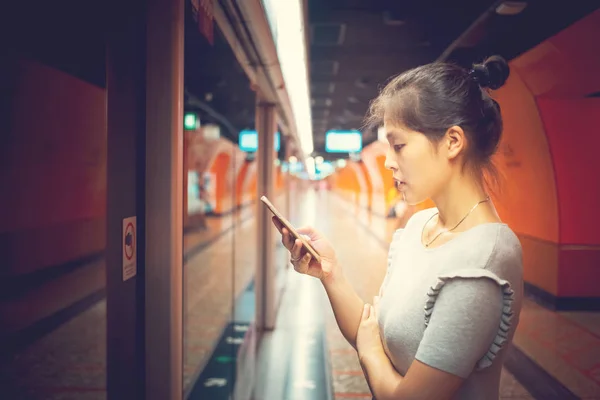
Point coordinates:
pixel 224 359
pixel 190 121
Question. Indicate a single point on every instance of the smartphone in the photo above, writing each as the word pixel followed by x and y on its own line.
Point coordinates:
pixel 291 229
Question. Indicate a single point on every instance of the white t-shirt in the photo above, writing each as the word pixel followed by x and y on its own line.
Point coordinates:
pixel 454 307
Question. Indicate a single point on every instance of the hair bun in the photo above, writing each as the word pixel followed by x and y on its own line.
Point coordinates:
pixel 492 74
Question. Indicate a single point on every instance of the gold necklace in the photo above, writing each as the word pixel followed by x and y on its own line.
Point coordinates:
pixel 455 226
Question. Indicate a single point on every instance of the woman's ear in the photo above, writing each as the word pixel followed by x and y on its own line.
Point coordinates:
pixel 455 141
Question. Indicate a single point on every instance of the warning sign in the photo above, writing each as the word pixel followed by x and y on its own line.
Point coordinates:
pixel 129 248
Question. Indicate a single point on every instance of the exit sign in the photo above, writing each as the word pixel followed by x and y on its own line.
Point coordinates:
pixel 191 121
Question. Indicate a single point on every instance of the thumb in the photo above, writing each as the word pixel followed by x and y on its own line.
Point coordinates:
pixel 311 232
pixel 366 311
pixel 372 313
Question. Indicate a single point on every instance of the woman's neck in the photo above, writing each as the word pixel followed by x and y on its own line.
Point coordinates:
pixel 460 196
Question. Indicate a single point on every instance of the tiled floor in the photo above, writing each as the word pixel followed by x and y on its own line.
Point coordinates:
pixel 568 350
pixel 70 362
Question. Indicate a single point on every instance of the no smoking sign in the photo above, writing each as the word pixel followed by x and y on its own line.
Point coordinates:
pixel 129 242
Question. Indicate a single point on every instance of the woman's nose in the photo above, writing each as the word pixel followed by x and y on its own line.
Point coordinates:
pixel 389 163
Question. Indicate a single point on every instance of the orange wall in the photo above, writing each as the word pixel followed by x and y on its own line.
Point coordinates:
pixel 279 179
pixel 527 200
pixel 249 186
pixel 573 130
pixel 239 184
pixel 346 180
pixel 53 171
pixel 221 167
pixel 556 76
pixel 223 159
pixel 368 185
pixel 53 190
pixel 565 64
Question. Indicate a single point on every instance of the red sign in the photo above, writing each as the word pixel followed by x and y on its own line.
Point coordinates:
pixel 129 245
pixel 206 18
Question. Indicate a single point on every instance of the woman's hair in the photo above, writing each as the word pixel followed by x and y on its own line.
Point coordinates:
pixel 434 97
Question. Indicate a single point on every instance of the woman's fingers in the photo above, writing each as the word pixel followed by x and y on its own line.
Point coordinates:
pixel 286 238
pixel 301 265
pixel 277 224
pixel 309 231
pixel 296 249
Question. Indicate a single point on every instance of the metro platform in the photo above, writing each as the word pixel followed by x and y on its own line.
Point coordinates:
pixel 556 355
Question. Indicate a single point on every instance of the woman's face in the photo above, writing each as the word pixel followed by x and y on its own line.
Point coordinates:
pixel 418 166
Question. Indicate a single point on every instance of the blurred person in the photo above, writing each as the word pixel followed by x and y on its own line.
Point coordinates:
pixel 450 301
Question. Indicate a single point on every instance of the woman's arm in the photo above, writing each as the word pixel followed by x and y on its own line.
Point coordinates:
pixel 346 304
pixel 421 382
pixel 463 326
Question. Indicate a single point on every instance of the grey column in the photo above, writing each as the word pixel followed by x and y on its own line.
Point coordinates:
pixel 164 199
pixel 286 182
pixel 265 266
pixel 145 151
pixel 126 112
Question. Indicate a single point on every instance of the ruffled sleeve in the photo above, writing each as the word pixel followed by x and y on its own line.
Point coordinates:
pixel 468 319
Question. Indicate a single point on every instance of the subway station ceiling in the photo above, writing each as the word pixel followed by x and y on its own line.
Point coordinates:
pixel 357 45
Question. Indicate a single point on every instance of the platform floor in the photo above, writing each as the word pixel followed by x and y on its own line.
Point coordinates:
pixel 557 354
pixel 305 356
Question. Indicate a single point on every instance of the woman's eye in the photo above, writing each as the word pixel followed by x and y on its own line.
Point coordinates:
pixel 398 147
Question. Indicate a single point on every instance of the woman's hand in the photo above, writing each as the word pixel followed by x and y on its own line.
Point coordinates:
pixel 368 340
pixel 302 260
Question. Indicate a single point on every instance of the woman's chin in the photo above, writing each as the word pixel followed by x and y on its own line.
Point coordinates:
pixel 411 199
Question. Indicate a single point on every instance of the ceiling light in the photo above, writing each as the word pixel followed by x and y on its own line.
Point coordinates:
pixel 511 7
pixel 287 19
pixel 393 20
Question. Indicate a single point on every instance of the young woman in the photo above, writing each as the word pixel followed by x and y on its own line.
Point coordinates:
pixel 450 301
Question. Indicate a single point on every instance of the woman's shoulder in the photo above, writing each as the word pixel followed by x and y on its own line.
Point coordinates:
pixel 491 248
pixel 506 256
pixel 416 220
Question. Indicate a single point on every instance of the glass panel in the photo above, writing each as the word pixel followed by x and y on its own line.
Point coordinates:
pixel 53 206
pixel 219 232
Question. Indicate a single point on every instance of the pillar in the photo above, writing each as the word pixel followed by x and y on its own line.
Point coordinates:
pixel 145 153
pixel 265 266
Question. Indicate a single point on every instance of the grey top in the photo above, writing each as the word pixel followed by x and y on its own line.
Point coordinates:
pixel 454 307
